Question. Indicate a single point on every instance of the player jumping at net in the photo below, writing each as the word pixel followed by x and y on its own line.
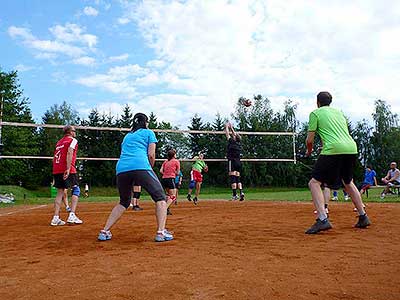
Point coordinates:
pixel 134 167
pixel 169 170
pixel 234 150
pixel 64 172
pixel 196 178
pixel 335 163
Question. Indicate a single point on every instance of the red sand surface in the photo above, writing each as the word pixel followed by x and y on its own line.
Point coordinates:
pixel 222 250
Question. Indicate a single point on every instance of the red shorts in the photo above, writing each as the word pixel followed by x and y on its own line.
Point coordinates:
pixel 196 176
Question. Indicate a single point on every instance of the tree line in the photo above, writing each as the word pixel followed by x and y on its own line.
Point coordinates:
pixel 378 143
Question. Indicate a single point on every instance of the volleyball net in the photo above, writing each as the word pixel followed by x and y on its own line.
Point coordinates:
pixel 254 142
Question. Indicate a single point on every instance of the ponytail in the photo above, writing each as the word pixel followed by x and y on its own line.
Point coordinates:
pixel 139 121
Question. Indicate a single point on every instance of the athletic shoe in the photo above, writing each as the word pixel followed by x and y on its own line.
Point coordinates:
pixel 241 197
pixel 335 198
pixel 73 219
pixel 131 205
pixel 137 208
pixel 189 197
pixel 68 209
pixel 164 236
pixel 104 235
pixel 169 213
pixel 319 226
pixel 346 198
pixel 382 196
pixel 195 200
pixel 363 221
pixel 234 198
pixel 56 221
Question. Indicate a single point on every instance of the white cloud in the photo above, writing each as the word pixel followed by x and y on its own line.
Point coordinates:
pixel 121 57
pixel 118 80
pixel 23 68
pixel 85 61
pixel 216 51
pixel 69 40
pixel 90 11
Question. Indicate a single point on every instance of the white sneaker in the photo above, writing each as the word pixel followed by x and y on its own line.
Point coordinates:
pixel 56 221
pixel 73 219
pixel 335 199
pixel 346 198
pixel 382 196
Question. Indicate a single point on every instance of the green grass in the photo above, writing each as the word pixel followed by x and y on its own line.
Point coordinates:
pixel 42 195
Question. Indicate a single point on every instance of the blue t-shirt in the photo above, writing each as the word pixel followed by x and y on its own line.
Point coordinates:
pixel 134 151
pixel 178 177
pixel 369 177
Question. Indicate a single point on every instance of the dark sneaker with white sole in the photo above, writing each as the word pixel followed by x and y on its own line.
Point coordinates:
pixel 363 221
pixel 195 200
pixel 189 197
pixel 319 226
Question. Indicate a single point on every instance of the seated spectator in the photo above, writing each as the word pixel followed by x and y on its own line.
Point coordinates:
pixel 369 179
pixel 392 178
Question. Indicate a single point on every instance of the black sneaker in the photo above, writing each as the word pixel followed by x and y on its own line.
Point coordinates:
pixel 363 221
pixel 189 197
pixel 137 208
pixel 169 213
pixel 242 197
pixel 319 226
pixel 195 200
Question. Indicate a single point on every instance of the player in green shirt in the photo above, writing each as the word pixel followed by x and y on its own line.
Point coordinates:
pixel 336 161
pixel 196 178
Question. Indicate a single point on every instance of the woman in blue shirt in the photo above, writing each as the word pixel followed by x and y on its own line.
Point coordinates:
pixel 134 167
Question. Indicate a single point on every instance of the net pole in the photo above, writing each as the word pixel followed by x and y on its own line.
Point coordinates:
pixel 1 123
pixel 294 148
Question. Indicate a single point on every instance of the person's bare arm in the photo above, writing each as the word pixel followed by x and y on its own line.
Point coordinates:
pixel 69 162
pixel 310 142
pixel 151 154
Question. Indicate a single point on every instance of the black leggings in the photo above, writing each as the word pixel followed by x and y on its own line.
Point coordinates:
pixel 145 178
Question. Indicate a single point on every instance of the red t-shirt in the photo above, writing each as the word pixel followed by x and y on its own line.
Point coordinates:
pixel 170 168
pixel 60 155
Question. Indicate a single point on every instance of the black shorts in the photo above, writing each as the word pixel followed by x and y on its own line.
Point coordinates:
pixel 234 165
pixel 168 183
pixel 147 179
pixel 60 183
pixel 331 170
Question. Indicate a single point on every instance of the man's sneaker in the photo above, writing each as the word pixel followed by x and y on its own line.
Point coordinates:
pixel 104 235
pixel 73 219
pixel 56 221
pixel 189 197
pixel 137 208
pixel 335 198
pixel 319 226
pixel 169 213
pixel 241 197
pixel 363 221
pixel 383 196
pixel 346 198
pixel 68 209
pixel 131 205
pixel 163 236
pixel 195 200
pixel 234 198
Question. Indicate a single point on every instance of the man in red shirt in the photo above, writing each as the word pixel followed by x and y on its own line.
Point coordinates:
pixel 65 176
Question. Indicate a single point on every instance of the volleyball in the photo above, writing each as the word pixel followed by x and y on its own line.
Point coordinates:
pixel 247 102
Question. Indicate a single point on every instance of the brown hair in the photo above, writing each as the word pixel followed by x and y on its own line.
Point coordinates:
pixel 171 153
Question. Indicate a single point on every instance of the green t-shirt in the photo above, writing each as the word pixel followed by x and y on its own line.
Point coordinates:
pixel 331 125
pixel 198 164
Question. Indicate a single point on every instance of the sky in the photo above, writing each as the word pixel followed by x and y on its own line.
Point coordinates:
pixel 179 58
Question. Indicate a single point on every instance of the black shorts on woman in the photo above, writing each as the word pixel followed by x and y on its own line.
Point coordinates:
pixel 168 183
pixel 331 170
pixel 147 179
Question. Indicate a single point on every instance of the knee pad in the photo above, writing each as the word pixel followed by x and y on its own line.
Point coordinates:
pixel 192 184
pixel 136 195
pixel 237 179
pixel 76 191
pixel 233 179
pixel 125 203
